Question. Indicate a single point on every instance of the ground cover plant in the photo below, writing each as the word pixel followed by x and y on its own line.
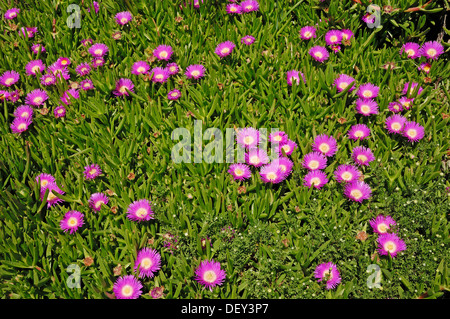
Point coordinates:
pixel 112 185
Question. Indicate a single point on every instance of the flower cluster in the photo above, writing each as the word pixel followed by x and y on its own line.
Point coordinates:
pixel 245 6
pixel 389 243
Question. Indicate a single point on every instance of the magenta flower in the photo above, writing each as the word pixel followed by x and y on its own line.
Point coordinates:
pixel 172 68
pixel 346 173
pixel 381 224
pixel 174 95
pixel 240 171
pixel 394 123
pixel 316 179
pixel 432 50
pixel 413 131
pixel 368 91
pixel 347 34
pixel 20 124
pixel 294 76
pixel 59 71
pixel 195 71
pixel 9 78
pixel 325 144
pixel 163 52
pixel 11 13
pixel 248 40
pixel 123 18
pixel 285 165
pixel 314 161
pixel 92 171
pixel 28 32
pixel 224 49
pixel 405 102
pixel 426 67
pixel 13 96
pixel 209 274
pixel 366 107
pixel 234 8
pixel 357 191
pixel 333 37
pixel 412 87
pixel 249 6
pixel 343 81
pixel 307 33
pixel 256 157
pixel 395 107
pixel 86 85
pixel 329 273
pixel 140 67
pixel 36 97
pixel 390 244
pixel 411 49
pixel 248 137
pixel 63 62
pixel 83 69
pixel 86 42
pixel 59 111
pixel 122 85
pixel 72 221
pixel 52 199
pixel 362 155
pixel 288 147
pixel 44 179
pixel 271 173
pixel 24 111
pixel 97 200
pixel 70 95
pixel 160 75
pixel 319 53
pixel 148 262
pixel 47 79
pixel 127 287
pixel 35 66
pixel 278 137
pixel 358 132
pixel 4 95
pixel 97 62
pixel 140 210
pixel 98 50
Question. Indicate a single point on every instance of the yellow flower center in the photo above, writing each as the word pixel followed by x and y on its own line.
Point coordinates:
pixel 410 52
pixel 333 38
pixel 51 196
pixel 44 183
pixel 141 212
pixel 411 132
pixel 365 109
pixel 318 55
pixel 238 172
pixel 35 68
pixel 367 93
pixel 124 20
pixel 9 81
pixel 390 246
pixel 98 51
pixel 72 221
pixel 209 276
pixel 343 85
pixel 315 181
pixel 346 176
pixel 93 171
pixel 313 164
pixel 127 290
pixel 362 158
pixel 382 228
pixel 396 126
pixel 38 99
pixel 248 140
pixel 159 76
pixel 271 176
pixel 99 204
pixel 25 114
pixel 48 80
pixel 163 54
pixel 324 147
pixel 225 50
pixel 308 34
pixel 359 134
pixel 146 263
pixel 195 73
pixel 22 126
pixel 141 69
pixel 254 159
pixel 356 193
pixel 431 52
